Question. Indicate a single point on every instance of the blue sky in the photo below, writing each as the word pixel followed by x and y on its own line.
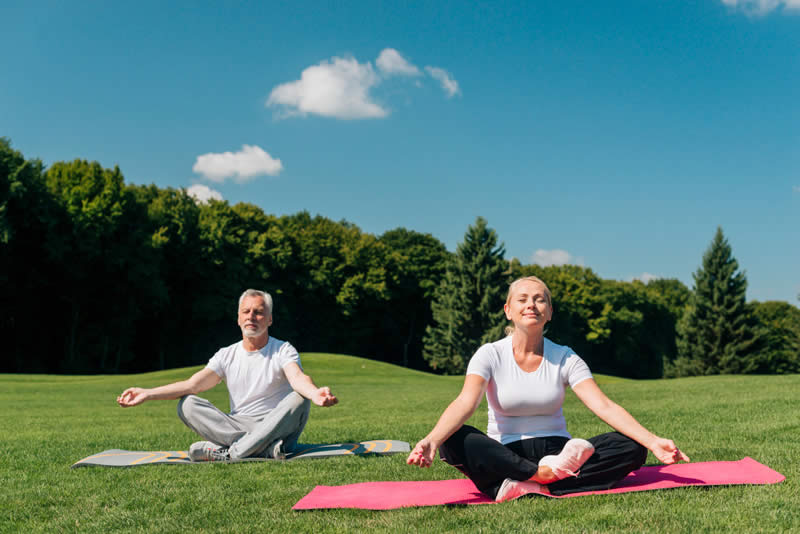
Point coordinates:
pixel 615 135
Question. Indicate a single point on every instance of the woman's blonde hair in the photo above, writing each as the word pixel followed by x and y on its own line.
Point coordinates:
pixel 510 328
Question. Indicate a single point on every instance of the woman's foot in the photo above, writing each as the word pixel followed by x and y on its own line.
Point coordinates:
pixel 513 489
pixel 569 461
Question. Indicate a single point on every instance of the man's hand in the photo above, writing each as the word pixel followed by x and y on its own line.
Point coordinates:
pixel 423 453
pixel 132 397
pixel 323 397
pixel 666 451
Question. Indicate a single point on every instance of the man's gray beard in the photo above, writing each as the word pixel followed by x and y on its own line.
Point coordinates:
pixel 252 333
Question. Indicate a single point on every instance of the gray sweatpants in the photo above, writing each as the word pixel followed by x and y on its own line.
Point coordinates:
pixel 246 435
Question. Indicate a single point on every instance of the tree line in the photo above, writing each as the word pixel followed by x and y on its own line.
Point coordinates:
pixel 100 276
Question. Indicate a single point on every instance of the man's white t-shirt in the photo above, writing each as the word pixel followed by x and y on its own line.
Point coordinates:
pixel 526 405
pixel 256 382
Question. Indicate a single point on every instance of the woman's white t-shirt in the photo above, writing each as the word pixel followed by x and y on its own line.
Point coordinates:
pixel 527 405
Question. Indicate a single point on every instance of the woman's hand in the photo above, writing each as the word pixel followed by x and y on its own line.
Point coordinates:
pixel 423 453
pixel 451 420
pixel 667 452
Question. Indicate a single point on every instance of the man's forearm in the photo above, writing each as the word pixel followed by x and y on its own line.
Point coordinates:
pixel 175 390
pixel 304 386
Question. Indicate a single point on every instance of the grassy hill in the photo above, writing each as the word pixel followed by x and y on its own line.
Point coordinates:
pixel 49 422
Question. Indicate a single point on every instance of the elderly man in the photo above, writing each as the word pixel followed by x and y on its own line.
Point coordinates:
pixel 269 392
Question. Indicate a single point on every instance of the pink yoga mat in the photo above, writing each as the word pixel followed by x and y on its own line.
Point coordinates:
pixel 390 495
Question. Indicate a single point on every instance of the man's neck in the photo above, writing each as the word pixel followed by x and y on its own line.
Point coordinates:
pixel 252 344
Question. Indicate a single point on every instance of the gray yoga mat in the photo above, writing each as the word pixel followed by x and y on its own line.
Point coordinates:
pixel 123 458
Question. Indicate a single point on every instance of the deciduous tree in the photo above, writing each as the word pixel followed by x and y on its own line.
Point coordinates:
pixel 419 262
pixel 780 322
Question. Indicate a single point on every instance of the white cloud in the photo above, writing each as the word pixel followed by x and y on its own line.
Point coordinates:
pixel 203 193
pixel 796 189
pixel 646 277
pixel 449 84
pixel 762 7
pixel 391 62
pixel 242 166
pixel 555 257
pixel 338 88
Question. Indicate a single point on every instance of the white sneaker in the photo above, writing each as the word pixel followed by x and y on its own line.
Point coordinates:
pixel 275 451
pixel 568 462
pixel 512 489
pixel 205 451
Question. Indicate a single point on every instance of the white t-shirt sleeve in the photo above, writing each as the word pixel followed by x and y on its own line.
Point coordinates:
pixel 574 370
pixel 288 354
pixel 217 362
pixel 483 362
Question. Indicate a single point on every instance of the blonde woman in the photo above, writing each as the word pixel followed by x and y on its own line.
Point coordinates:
pixel 527 447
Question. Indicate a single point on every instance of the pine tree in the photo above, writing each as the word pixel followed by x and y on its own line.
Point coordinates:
pixel 469 300
pixel 717 334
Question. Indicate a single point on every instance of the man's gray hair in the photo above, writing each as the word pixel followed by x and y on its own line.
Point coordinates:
pixel 256 293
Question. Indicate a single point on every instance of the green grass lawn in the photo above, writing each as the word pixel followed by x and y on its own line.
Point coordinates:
pixel 49 422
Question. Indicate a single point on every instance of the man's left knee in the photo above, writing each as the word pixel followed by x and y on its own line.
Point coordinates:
pixel 297 401
pixel 186 406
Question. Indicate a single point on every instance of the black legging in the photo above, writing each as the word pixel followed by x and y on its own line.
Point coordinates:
pixel 488 462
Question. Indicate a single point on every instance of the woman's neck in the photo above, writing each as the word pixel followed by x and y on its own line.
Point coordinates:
pixel 525 342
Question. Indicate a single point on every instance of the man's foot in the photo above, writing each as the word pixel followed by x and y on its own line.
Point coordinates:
pixel 513 489
pixel 205 451
pixel 275 451
pixel 568 462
